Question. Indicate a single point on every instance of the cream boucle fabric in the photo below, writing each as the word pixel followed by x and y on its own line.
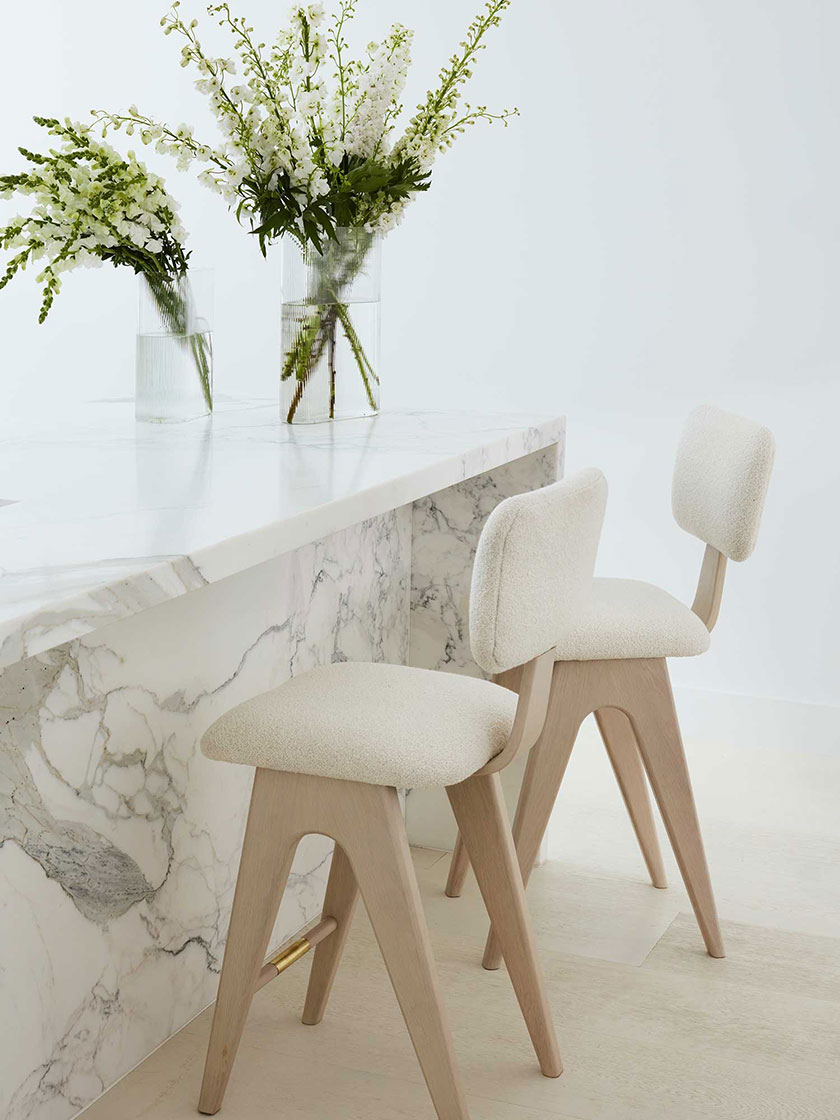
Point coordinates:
pixel 386 725
pixel 720 480
pixel 533 569
pixel 625 618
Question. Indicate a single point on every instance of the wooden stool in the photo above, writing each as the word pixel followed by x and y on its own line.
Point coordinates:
pixel 333 746
pixel 611 661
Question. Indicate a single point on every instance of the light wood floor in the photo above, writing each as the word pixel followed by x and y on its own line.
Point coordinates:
pixel 651 1028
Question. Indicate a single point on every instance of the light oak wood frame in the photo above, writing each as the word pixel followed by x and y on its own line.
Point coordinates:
pixel 372 858
pixel 634 708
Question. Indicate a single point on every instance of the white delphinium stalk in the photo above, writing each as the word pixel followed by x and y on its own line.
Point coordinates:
pixel 379 92
pixel 438 120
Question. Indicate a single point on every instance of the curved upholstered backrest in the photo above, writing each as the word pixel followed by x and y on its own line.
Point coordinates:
pixel 533 565
pixel 721 476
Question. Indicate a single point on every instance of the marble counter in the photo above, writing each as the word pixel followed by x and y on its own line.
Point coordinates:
pixel 105 518
pixel 150 578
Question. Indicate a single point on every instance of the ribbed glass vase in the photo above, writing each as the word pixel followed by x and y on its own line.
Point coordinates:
pixel 330 328
pixel 174 370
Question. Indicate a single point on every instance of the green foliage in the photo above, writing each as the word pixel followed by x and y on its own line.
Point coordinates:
pixel 345 205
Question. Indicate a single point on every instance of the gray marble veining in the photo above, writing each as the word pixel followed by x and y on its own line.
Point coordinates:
pixel 119 842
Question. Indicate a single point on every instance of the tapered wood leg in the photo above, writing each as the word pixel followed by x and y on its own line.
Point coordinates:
pixel 264 868
pixel 623 751
pixel 378 849
pixel 544 772
pixel 651 709
pixel 460 862
pixel 479 808
pixel 457 869
pixel 339 903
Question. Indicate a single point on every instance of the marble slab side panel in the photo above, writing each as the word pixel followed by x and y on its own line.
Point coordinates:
pixel 119 841
pixel 445 531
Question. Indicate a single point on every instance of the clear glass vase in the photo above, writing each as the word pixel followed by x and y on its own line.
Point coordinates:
pixel 330 328
pixel 174 370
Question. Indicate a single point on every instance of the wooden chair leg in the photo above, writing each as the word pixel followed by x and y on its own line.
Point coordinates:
pixel 479 808
pixel 339 903
pixel 460 862
pixel 375 840
pixel 547 764
pixel 623 751
pixel 457 869
pixel 264 868
pixel 650 705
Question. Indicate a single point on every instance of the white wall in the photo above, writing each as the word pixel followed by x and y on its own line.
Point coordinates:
pixel 659 228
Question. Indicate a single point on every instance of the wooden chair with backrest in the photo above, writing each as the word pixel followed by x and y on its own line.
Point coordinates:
pixel 333 746
pixel 611 661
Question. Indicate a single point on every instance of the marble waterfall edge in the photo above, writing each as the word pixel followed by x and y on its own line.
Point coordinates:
pixel 120 841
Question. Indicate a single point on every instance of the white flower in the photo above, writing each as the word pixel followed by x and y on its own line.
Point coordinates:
pixel 153 245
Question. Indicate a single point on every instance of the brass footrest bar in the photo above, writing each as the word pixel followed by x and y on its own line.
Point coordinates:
pixel 294 950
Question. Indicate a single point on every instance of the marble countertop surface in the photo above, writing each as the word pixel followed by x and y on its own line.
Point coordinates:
pixel 101 517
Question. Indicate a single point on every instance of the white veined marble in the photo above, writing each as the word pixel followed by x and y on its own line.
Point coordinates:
pixel 108 517
pixel 119 841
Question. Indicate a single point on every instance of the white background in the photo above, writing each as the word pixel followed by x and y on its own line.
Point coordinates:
pixel 658 229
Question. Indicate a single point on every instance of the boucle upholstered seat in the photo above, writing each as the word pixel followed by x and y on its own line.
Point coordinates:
pixel 430 728
pixel 625 618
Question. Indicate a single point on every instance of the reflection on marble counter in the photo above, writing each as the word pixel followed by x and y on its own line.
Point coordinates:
pixel 109 517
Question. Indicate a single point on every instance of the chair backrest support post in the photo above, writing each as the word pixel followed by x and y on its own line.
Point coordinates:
pixel 531 710
pixel 709 593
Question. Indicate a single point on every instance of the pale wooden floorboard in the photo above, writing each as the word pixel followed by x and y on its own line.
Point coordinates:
pixel 427 857
pixel 771 829
pixel 664 1033
pixel 611 919
pixel 770 959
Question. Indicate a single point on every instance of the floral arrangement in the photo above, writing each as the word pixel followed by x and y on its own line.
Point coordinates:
pixel 309 129
pixel 91 205
pixel 309 147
